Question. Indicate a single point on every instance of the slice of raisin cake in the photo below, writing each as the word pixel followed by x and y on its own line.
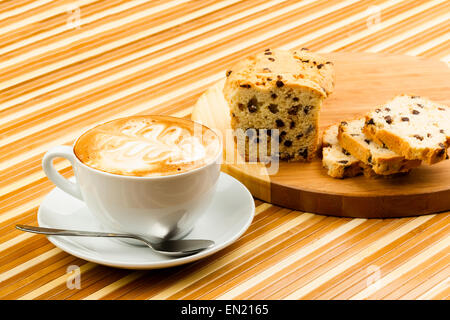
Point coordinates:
pixel 338 161
pixel 413 127
pixel 281 90
pixel 382 160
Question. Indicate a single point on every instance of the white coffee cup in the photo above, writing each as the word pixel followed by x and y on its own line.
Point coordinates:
pixel 161 206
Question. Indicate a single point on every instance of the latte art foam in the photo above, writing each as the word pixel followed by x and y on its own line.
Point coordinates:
pixel 147 146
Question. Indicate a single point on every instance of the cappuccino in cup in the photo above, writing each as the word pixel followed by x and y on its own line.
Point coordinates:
pixel 149 175
pixel 147 146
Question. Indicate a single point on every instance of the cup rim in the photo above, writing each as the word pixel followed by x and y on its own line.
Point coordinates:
pixel 175 175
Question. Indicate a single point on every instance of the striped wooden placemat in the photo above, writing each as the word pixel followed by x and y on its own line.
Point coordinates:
pixel 67 65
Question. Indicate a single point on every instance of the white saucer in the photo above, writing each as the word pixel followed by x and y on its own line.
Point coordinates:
pixel 228 217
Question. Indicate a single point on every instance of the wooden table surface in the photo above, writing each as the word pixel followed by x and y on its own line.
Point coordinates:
pixel 67 65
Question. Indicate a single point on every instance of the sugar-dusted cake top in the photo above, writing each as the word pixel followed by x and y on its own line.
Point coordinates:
pixel 279 67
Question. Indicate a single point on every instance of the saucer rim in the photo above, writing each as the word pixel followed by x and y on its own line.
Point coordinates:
pixel 170 261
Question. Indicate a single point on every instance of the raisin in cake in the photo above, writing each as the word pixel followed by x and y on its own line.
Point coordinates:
pixel 281 90
pixel 339 162
pixel 413 127
pixel 382 160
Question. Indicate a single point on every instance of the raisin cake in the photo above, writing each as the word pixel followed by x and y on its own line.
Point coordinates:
pixel 338 161
pixel 382 160
pixel 413 127
pixel 281 90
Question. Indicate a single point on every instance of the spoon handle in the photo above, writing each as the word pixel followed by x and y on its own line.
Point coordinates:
pixel 168 247
pixel 62 232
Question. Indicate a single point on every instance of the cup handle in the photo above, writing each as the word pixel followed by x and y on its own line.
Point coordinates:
pixel 61 182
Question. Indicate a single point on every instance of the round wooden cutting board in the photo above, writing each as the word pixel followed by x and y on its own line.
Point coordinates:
pixel 363 81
